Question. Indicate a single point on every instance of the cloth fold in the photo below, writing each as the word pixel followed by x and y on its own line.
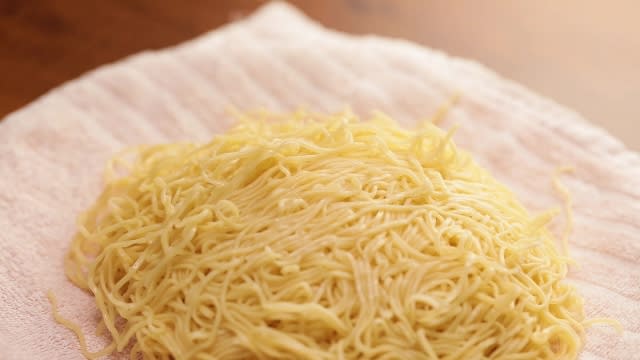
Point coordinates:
pixel 53 150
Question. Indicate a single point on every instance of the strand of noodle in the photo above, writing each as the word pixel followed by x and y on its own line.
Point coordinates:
pixel 605 321
pixel 568 205
pixel 444 109
pixel 77 331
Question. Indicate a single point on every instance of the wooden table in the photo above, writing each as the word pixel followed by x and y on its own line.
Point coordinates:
pixel 585 54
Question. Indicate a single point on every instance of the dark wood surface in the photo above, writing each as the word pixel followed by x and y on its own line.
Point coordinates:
pixel 585 54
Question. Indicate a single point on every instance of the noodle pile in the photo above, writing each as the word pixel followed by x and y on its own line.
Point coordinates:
pixel 321 237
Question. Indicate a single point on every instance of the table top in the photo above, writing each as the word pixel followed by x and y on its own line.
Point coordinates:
pixel 583 54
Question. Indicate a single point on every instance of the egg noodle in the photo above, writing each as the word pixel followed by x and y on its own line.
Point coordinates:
pixel 308 236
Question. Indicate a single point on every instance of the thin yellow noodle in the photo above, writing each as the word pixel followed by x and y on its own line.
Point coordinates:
pixel 311 236
pixel 444 109
pixel 76 330
pixel 568 205
pixel 604 321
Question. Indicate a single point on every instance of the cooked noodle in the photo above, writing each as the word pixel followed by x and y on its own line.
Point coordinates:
pixel 321 237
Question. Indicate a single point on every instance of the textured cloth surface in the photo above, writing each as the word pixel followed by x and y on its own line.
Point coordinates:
pixel 52 153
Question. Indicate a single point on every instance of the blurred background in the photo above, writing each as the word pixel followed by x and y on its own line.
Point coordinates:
pixel 582 53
